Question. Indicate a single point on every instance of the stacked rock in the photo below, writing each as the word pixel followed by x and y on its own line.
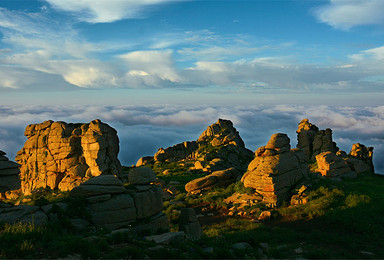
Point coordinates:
pixel 275 170
pixel 113 206
pixel 314 141
pixel 61 155
pixel 189 224
pixel 9 174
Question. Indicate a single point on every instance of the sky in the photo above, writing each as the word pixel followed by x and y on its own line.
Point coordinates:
pixel 165 69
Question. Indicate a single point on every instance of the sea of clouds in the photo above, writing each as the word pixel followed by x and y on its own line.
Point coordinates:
pixel 144 129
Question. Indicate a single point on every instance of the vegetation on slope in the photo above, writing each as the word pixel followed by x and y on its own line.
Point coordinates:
pixel 341 220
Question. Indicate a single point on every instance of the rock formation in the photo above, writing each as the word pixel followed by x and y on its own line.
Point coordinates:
pixel 360 158
pixel 218 148
pixel 314 141
pixel 332 165
pixel 358 161
pixel 61 155
pixel 275 169
pixel 113 206
pixel 9 174
pixel 216 179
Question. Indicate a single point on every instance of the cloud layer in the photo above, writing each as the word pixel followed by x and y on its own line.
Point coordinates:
pixel 52 55
pixel 345 14
pixel 144 129
pixel 105 11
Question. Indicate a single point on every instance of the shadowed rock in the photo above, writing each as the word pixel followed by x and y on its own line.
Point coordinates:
pixel 9 174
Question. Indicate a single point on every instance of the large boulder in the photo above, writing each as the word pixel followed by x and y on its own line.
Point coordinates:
pixel 332 165
pixel 61 155
pixel 314 141
pixel 275 169
pixel 9 174
pixel 111 205
pixel 219 147
pixel 216 179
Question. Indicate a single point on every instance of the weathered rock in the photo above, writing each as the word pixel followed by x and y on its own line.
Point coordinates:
pixel 23 214
pixel 331 165
pixel 141 176
pixel 9 174
pixel 275 170
pixel 314 141
pixel 220 142
pixel 61 155
pixel 167 238
pixel 112 206
pixel 265 215
pixel 364 154
pixel 98 186
pixel 149 202
pixel 215 179
pixel 241 246
pixel 189 224
pixel 144 161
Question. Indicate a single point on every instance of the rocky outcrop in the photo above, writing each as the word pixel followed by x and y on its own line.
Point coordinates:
pixel 314 141
pixel 358 161
pixel 275 169
pixel 113 206
pixel 144 161
pixel 332 165
pixel 22 214
pixel 61 155
pixel 360 158
pixel 216 179
pixel 218 148
pixel 9 174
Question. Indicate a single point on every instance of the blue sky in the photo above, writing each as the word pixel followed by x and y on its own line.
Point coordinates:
pixel 195 52
pixel 161 71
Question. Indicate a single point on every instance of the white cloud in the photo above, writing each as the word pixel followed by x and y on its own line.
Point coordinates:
pixel 345 14
pixel 157 63
pixel 143 129
pixel 105 11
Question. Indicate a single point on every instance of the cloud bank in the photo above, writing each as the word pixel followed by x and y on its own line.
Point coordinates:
pixel 144 129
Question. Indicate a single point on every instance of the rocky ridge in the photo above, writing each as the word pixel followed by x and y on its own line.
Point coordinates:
pixel 62 156
pixel 219 147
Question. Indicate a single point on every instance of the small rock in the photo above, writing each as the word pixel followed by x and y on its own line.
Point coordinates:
pixel 265 215
pixel 210 214
pixel 166 238
pixel 207 250
pixel 264 246
pixel 366 253
pixel 298 250
pixel 241 246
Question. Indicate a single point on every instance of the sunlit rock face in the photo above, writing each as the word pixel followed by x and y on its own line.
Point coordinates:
pixel 9 174
pixel 314 141
pixel 275 169
pixel 219 147
pixel 61 155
